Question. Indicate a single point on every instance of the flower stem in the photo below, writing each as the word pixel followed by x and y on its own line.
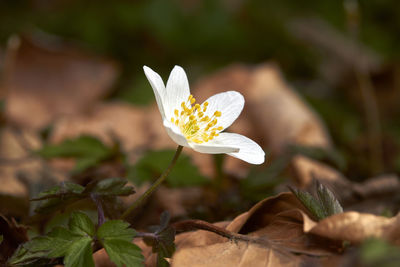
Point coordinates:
pixel 154 186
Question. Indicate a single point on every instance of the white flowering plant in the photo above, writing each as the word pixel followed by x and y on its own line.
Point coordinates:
pixel 201 126
pixel 189 124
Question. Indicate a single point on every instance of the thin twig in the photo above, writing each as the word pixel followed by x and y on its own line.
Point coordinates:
pixel 189 225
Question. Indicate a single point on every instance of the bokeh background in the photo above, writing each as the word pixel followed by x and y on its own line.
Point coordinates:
pixel 327 50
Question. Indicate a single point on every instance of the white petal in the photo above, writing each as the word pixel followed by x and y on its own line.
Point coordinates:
pixel 212 147
pixel 177 90
pixel 158 88
pixel 249 150
pixel 229 103
pixel 175 134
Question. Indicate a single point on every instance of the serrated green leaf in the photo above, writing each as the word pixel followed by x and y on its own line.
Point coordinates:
pixel 116 229
pixel 30 251
pixel 68 193
pixel 310 203
pixel 54 244
pixel 60 191
pixel 60 240
pixel 123 253
pixel 81 224
pixel 116 238
pixel 110 187
pixel 152 164
pixel 79 253
pixel 328 201
pixel 58 196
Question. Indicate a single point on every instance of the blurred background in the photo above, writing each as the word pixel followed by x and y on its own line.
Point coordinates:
pixel 342 57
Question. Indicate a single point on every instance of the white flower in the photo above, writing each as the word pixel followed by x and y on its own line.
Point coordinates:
pixel 200 126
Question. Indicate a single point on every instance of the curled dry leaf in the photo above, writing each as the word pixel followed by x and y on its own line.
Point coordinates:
pixel 49 79
pixel 276 227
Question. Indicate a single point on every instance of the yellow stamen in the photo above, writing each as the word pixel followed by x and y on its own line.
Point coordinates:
pixel 192 122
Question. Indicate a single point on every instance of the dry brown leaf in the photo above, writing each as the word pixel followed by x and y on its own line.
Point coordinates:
pixel 49 78
pixel 13 235
pixel 356 227
pixel 233 254
pixel 276 227
pixel 288 228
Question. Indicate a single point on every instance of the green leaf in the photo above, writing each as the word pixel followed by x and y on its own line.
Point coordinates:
pixel 83 146
pixel 55 244
pixel 377 252
pixel 61 191
pixel 88 151
pixel 81 224
pixel 58 196
pixel 152 165
pixel 79 253
pixel 322 206
pixel 68 193
pixel 73 244
pixel 1 239
pixel 310 203
pixel 110 187
pixel 30 251
pixel 116 229
pixel 116 238
pixel 123 253
pixel 60 240
pixel 163 240
pixel 328 201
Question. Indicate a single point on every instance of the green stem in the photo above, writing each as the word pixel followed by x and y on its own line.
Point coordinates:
pixel 154 186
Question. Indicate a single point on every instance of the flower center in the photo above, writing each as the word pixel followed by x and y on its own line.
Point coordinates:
pixel 193 124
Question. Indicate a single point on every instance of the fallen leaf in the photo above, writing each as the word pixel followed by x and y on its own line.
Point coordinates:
pixel 13 235
pixel 50 78
pixel 275 229
pixel 285 227
pixel 356 227
pixel 230 254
